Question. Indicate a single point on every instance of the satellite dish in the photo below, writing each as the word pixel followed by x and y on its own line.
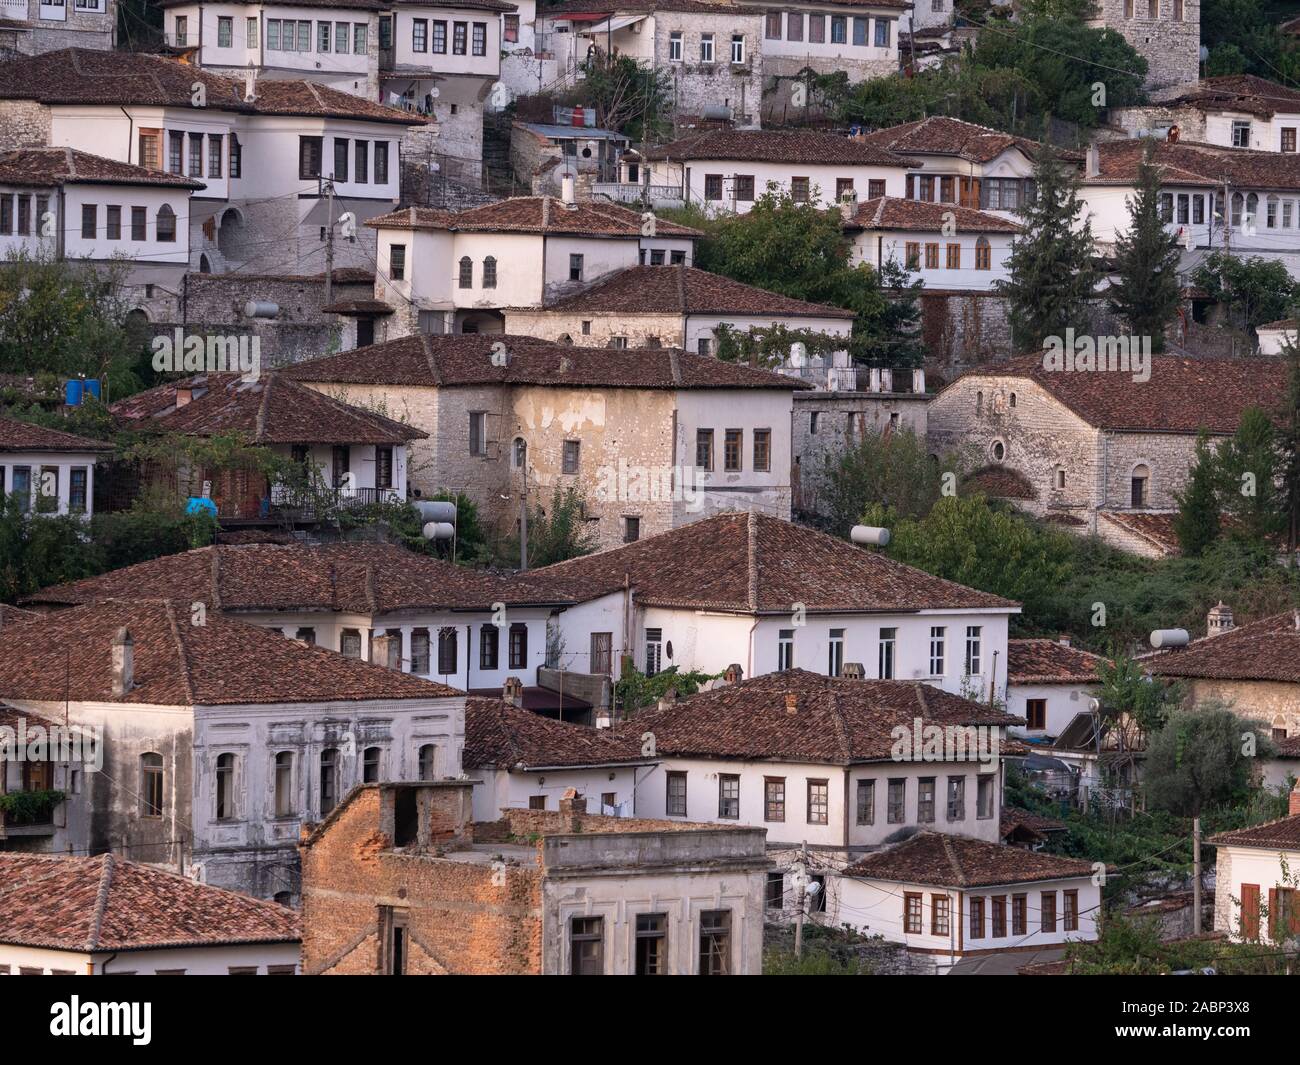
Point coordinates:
pixel 1205 53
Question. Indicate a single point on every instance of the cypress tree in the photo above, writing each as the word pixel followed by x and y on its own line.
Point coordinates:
pixel 1146 257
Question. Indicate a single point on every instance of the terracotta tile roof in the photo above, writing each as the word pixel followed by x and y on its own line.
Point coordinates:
pixel 88 76
pixel 932 858
pixel 756 564
pixel 1154 529
pixel 271 410
pixel 1196 164
pixel 355 578
pixel 647 7
pixel 1050 662
pixel 892 212
pixel 23 436
pixel 68 655
pixel 686 290
pixel 1001 482
pixel 467 359
pixel 532 214
pixel 51 167
pixel 1183 394
pixel 109 904
pixel 940 135
pixel 503 736
pixel 12 615
pixel 1268 649
pixel 776 146
pixel 1282 834
pixel 1017 821
pixel 1281 323
pixel 836 721
pixel 1238 92
pixel 472 5
pixel 347 5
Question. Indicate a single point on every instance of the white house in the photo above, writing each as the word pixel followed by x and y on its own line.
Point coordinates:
pixel 1233 111
pixel 947 246
pixel 214 740
pixel 1049 683
pixel 455 272
pixel 527 62
pixel 1275 336
pixel 952 897
pixel 725 171
pixel 62 915
pixel 1257 879
pixel 52 472
pixel 860 38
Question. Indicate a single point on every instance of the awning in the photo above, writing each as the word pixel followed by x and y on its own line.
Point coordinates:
pixel 618 23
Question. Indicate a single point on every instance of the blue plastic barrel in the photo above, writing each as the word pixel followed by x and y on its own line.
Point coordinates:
pixel 93 387
pixel 72 393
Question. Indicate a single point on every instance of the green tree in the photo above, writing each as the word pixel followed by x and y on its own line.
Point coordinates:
pixel 1050 268
pixel 1126 689
pixel 1288 431
pixel 634 99
pixel 37 550
pixel 893 471
pixel 1146 294
pixel 560 534
pixel 1247 468
pixel 1197 522
pixel 1254 290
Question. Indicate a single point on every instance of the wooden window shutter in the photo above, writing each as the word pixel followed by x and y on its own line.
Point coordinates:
pixel 1250 911
pixel 1273 918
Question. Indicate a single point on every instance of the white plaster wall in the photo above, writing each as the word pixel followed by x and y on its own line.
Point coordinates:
pixel 876 248
pixel 1064 701
pixel 196 961
pixel 63 461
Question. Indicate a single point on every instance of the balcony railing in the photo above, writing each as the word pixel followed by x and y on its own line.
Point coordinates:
pixel 15 10
pixel 627 192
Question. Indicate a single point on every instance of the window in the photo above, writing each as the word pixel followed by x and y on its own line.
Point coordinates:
pixel 225 787
pixel 835 653
pixel 839 29
pixel 676 799
pixel 728 796
pixel 818 802
pixel 932 256
pixel 428 762
pixel 1019 914
pixel 762 450
pixel 953 261
pixel 602 653
pixel 440 37
pixel 216 154
pixel 713 186
pixel 675 47
pixel 341 35
pixel 888 638
pixel 1241 133
pixel 653 651
pixel 397 262
pixel 236 157
pixel 175 152
pixel 420 651
pixel 166 224
pixel 1141 477
pixel 21 485
pixel 812 423
pixel 706 48
pixel 1070 910
pixel 479 39
pixel 89 219
pixel 465 272
pixel 774 891
pixel 913 904
pixel 477 433
pixel 518 656
pixel 77 478
pixel 196 155
pixel 925 800
pixel 323 31
pixel 998 908
pixel 772 27
pixel 984 794
pixel 182 26
pixel 973 649
pixel 860 28
pixel 420 35
pixel 1128 8
pixel 938 634
pixel 1288 139
pixel 587 946
pixel 896 814
pixel 383 467
pixel 631 528
pixel 940 911
pixel 866 805
pixel 785 649
pixel 307 636
pixel 737 49
pixel 537 802
pixel 1036 714
pixel 571 454
pixel 575 267
pixel 800 189
pixel 251 38
pixel 458 31
pixel 447 651
pixel 329 780
pixel 651 944
pixel 139 224
pixel 912 255
pixel 225 31
pixel 151 785
pixel 794 25
pixel 977 917
pixel 489 647
pixel 732 443
pixel 956 798
pixel 882 32
pixel 715 943
pixel 350 643
pixel 1047 912
pixel 310 150
pixel 284 784
pixel 773 798
pixel 817 28
pixel 149 149
pixel 704 449
pixel 370 765
pixel 490 272
pixel 510 29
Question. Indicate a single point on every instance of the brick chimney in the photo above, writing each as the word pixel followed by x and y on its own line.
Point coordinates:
pixel 512 691
pixel 1219 619
pixel 734 674
pixel 574 807
pixel 123 662
pixel 1294 808
pixel 853 671
pixel 791 703
pixel 1064 639
pixel 184 396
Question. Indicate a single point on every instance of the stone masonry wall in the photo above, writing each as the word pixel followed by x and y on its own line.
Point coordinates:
pixel 963 329
pixel 1171 49
pixel 698 86
pixel 23 124
pixel 638 328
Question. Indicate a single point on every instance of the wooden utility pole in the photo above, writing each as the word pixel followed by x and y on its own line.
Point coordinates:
pixel 329 242
pixel 801 901
pixel 1196 874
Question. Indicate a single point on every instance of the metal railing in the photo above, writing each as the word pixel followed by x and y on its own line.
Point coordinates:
pixel 14 9
pixel 628 192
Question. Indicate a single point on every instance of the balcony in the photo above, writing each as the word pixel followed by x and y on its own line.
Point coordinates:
pixel 29 813
pixel 626 192
pixel 13 10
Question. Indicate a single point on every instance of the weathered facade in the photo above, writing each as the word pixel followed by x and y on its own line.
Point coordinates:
pixel 1166 33
pixel 30 27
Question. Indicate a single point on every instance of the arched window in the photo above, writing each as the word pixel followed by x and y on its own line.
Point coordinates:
pixel 166 224
pixel 521 452
pixel 1252 209
pixel 370 765
pixel 979 402
pixel 466 272
pixel 1012 399
pixel 151 785
pixel 329 780
pixel 429 762
pixel 284 784
pixel 565 339
pixel 225 787
pixel 983 254
pixel 490 272
pixel 1140 486
pixel 1237 203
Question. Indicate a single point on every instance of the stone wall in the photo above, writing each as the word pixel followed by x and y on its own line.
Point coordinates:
pixel 666 329
pixel 697 86
pixel 23 124
pixel 81 29
pixel 1134 120
pixel 963 329
pixel 1171 49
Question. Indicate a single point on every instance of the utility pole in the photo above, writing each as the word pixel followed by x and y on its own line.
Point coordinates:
pixel 801 901
pixel 1196 874
pixel 329 241
pixel 523 523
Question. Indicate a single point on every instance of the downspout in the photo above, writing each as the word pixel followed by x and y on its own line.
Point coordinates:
pixel 130 135
pixel 60 244
pixel 846 811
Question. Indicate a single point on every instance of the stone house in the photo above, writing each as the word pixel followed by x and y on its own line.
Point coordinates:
pixel 215 740
pixel 401 880
pixel 1166 33
pixel 512 418
pixel 670 306
pixel 1090 449
pixel 31 27
pixel 1257 897
pixel 52 470
pixel 1233 111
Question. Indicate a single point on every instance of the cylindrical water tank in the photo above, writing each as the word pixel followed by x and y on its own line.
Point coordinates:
pixel 93 386
pixel 72 393
pixel 869 534
pixel 1169 638
pixel 439 530
pixel 439 510
pixel 261 309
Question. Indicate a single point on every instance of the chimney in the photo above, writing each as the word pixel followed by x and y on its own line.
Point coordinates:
pixel 669 698
pixel 381 647
pixel 1294 807
pixel 566 364
pixel 734 674
pixel 567 194
pixel 1219 619
pixel 250 86
pixel 123 662
pixel 848 205
pixel 791 703
pixel 574 807
pixel 184 396
pixel 854 671
pixel 1064 639
pixel 1094 161
pixel 512 691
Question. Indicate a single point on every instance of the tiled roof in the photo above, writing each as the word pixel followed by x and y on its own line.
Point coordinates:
pixel 532 214
pixel 686 290
pixel 1014 819
pixel 88 76
pixel 355 578
pixel 270 410
pixel 1238 92
pixel 1001 482
pixel 937 859
pixel 504 736
pixel 835 720
pixel 639 7
pixel 892 212
pixel 357 307
pixel 106 904
pixel 23 436
pixel 940 135
pixel 1050 662
pixel 1201 165
pixel 1183 394
pixel 345 5
pixel 753 563
pixel 1152 528
pixel 467 359
pixel 1268 649
pixel 472 5
pixel 776 146
pixel 1281 323
pixel 12 615
pixel 50 167
pixel 68 655
pixel 1282 834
